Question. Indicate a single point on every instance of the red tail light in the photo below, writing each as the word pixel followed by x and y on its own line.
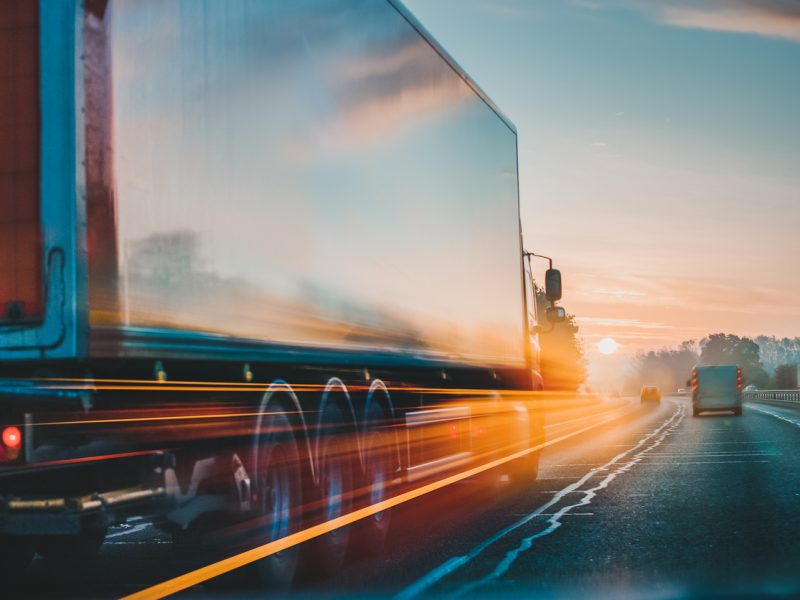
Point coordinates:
pixel 20 243
pixel 12 437
pixel 11 444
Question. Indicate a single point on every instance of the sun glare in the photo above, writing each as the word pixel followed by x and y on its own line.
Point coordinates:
pixel 607 345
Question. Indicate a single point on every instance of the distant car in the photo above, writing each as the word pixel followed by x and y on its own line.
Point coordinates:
pixel 682 391
pixel 750 388
pixel 650 393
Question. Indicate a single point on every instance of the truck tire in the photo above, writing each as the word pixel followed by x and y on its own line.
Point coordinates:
pixel 77 546
pixel 335 457
pixel 525 470
pixel 379 461
pixel 280 497
pixel 186 543
pixel 16 554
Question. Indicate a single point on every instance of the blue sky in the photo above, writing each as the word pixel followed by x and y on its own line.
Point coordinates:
pixel 659 154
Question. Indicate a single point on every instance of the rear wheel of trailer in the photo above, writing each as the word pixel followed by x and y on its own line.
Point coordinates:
pixel 279 496
pixel 380 458
pixel 335 455
pixel 16 553
pixel 84 544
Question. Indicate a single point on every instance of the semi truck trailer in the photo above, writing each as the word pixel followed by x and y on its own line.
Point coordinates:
pixel 261 265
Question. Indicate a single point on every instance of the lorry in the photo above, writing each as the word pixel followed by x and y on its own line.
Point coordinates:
pixel 717 388
pixel 261 266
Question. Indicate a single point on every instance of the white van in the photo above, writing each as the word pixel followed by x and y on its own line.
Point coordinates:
pixel 717 387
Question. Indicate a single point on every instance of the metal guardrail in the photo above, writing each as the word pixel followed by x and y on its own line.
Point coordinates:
pixel 780 395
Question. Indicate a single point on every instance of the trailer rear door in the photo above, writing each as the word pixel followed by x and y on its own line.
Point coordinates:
pixel 717 386
pixel 20 226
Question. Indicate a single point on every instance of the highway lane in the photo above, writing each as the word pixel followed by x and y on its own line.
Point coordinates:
pixel 708 505
pixel 652 502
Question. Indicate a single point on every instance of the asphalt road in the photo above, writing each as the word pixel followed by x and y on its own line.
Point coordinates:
pixel 652 503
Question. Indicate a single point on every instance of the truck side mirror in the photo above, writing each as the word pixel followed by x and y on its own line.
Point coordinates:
pixel 556 314
pixel 552 285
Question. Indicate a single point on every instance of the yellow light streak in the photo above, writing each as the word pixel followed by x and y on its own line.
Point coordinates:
pixel 192 578
pixel 171 418
pixel 488 411
pixel 151 384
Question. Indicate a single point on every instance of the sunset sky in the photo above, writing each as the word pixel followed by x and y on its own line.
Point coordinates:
pixel 659 154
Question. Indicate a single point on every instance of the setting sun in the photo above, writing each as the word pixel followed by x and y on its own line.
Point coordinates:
pixel 607 345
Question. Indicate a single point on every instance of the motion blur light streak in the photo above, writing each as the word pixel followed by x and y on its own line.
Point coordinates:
pixel 172 418
pixel 187 580
pixel 284 313
pixel 87 459
pixel 151 384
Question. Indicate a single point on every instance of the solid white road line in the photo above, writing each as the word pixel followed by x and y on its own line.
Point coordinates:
pixel 776 415
pixel 555 522
pixel 707 462
pixel 456 562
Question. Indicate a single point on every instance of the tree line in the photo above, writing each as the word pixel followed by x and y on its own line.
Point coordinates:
pixel 766 362
pixel 562 360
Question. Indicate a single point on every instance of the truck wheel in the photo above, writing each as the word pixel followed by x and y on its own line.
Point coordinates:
pixel 525 470
pixel 81 545
pixel 378 471
pixel 335 459
pixel 188 543
pixel 279 492
pixel 16 554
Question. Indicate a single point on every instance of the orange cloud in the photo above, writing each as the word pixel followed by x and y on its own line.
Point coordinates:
pixel 769 18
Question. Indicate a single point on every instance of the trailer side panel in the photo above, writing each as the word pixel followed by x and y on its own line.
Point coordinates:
pixel 312 174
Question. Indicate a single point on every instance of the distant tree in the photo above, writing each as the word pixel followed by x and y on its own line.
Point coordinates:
pixel 785 378
pixel 668 368
pixel 722 348
pixel 776 352
pixel 562 359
